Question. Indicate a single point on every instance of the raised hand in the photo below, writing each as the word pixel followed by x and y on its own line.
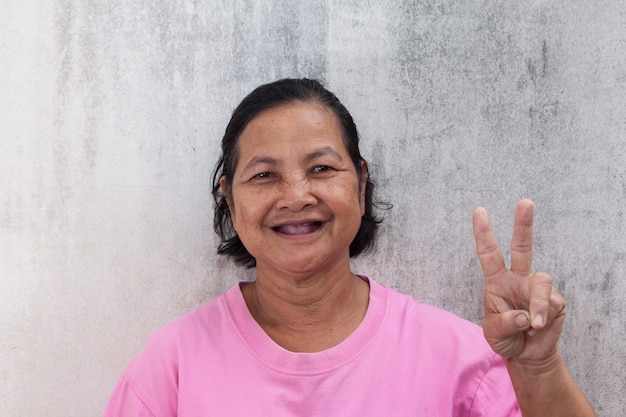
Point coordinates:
pixel 524 313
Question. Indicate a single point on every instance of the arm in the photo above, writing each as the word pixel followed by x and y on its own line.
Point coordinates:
pixel 547 389
pixel 524 317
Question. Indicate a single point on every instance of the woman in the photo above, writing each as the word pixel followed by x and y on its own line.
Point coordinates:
pixel 310 338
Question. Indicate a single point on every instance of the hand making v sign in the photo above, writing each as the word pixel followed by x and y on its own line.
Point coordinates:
pixel 524 313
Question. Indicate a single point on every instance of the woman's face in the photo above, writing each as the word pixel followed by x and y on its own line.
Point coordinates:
pixel 295 200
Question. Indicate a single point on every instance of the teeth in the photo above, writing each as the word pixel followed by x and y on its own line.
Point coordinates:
pixel 298 229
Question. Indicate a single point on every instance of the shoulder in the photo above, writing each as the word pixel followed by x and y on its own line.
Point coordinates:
pixel 202 317
pixel 427 318
pixel 437 336
pixel 201 326
pixel 179 339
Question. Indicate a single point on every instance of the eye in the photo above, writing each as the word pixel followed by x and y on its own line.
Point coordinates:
pixel 322 168
pixel 261 175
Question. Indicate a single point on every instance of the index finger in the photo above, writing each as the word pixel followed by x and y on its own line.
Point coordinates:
pixel 489 253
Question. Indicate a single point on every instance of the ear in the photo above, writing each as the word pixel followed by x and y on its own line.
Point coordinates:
pixel 227 196
pixel 363 186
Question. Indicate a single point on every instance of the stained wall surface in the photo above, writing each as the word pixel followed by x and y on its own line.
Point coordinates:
pixel 110 118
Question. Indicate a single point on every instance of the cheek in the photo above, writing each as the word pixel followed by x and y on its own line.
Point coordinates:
pixel 250 211
pixel 348 197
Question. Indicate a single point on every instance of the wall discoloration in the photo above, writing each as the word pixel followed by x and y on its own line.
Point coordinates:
pixel 111 115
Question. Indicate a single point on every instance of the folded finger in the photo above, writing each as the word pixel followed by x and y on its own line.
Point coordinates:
pixel 540 297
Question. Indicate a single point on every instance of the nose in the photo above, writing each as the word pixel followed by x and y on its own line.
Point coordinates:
pixel 296 194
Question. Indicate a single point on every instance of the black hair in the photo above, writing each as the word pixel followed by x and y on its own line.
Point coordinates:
pixel 269 96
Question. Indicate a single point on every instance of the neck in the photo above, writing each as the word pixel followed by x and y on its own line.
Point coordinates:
pixel 308 315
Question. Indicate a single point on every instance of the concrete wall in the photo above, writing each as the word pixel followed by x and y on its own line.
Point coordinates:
pixel 110 117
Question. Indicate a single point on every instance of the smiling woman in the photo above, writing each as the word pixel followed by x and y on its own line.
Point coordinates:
pixel 280 94
pixel 295 191
pixel 308 337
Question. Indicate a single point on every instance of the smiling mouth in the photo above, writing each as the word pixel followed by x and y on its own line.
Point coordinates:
pixel 298 229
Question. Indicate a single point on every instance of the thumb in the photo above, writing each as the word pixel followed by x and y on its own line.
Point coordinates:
pixel 507 324
pixel 505 331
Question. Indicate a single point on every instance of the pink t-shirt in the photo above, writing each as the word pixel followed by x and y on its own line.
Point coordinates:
pixel 405 359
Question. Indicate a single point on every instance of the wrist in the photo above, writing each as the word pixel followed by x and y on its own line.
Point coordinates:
pixel 537 368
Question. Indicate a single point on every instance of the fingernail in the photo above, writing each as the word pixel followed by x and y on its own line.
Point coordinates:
pixel 538 321
pixel 521 320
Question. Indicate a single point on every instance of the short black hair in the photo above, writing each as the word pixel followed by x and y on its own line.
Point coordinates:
pixel 269 96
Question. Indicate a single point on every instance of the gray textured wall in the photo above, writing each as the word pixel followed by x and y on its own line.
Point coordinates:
pixel 110 117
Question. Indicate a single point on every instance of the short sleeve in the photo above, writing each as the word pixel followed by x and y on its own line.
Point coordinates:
pixel 149 385
pixel 125 402
pixel 495 396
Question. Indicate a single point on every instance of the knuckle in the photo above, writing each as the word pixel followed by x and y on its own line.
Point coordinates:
pixel 522 247
pixel 542 278
pixel 487 249
pixel 540 304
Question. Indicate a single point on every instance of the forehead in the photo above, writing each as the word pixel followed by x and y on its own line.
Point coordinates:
pixel 297 124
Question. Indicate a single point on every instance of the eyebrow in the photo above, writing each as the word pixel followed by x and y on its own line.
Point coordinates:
pixel 260 160
pixel 325 151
